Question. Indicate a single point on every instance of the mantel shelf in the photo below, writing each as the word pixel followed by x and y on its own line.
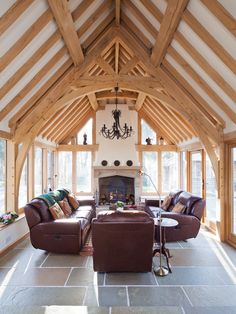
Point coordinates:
pixel 136 168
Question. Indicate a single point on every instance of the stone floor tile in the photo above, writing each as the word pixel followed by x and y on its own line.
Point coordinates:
pixel 65 260
pixel 39 277
pixel 210 310
pixel 43 296
pixel 196 276
pixel 106 296
pixel 147 310
pixel 211 296
pixel 85 277
pixel 131 279
pixel 157 296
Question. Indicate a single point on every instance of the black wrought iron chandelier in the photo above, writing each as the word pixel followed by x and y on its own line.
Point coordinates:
pixel 116 130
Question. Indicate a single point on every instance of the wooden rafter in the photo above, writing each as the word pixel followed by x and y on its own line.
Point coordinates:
pixel 117 57
pixel 168 27
pixel 222 14
pixel 140 100
pixel 13 13
pixel 118 12
pixel 93 101
pixel 66 26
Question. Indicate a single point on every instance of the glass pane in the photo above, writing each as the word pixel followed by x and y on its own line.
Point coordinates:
pixel 23 190
pixel 146 132
pixel 65 170
pixel 234 189
pixel 169 163
pixel 38 171
pixel 84 167
pixel 212 210
pixel 183 175
pixel 2 176
pixel 50 163
pixel 196 173
pixel 150 168
pixel 88 130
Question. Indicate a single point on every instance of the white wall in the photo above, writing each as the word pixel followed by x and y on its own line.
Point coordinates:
pixel 112 150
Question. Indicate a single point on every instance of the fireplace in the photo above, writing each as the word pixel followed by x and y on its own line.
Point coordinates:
pixel 116 188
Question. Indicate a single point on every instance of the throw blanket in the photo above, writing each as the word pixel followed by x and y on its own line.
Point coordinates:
pixel 53 197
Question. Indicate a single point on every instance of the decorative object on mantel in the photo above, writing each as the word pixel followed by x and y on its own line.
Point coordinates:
pixel 116 163
pixel 120 205
pixel 8 217
pixel 116 130
pixel 148 141
pixel 104 163
pixel 129 163
pixel 161 140
pixel 85 139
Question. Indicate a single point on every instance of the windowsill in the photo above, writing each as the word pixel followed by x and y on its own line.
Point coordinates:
pixel 3 226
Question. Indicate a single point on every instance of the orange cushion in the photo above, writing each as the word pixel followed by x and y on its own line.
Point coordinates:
pixel 166 202
pixel 73 201
pixel 65 207
pixel 179 208
pixel 56 211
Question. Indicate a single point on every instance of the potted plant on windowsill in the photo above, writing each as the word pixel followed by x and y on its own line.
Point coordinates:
pixel 8 217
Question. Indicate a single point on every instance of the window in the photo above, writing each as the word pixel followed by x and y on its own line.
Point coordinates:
pixel 88 130
pixel 233 187
pixel 23 190
pixel 149 167
pixel 212 211
pixel 147 131
pixel 196 173
pixel 65 170
pixel 50 165
pixel 84 168
pixel 183 171
pixel 3 151
pixel 169 161
pixel 38 171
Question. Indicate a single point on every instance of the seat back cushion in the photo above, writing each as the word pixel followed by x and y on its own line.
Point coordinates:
pixel 166 202
pixel 65 207
pixel 56 211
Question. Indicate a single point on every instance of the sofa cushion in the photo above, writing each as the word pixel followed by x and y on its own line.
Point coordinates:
pixel 73 201
pixel 56 211
pixel 65 207
pixel 123 216
pixel 188 200
pixel 179 208
pixel 166 202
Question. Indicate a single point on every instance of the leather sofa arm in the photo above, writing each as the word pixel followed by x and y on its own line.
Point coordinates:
pixel 154 203
pixel 86 202
pixel 60 226
pixel 181 218
pixel 32 216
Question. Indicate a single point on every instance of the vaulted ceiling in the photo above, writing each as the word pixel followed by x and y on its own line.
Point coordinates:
pixel 175 61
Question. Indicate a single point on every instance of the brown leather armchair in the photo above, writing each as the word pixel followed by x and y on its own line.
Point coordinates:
pixel 188 222
pixel 122 241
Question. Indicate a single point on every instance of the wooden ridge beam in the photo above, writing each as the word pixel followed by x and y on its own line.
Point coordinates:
pixel 118 12
pixel 66 26
pixel 170 22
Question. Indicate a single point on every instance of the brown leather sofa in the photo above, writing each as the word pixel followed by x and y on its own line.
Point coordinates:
pixel 188 222
pixel 65 235
pixel 122 241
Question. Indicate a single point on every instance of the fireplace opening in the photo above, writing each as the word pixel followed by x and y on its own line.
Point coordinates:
pixel 116 188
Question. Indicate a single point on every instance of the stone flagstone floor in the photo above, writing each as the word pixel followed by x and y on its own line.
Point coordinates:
pixel 203 281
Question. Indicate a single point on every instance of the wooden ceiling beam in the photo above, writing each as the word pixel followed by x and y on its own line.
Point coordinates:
pixel 81 8
pixel 118 12
pixel 25 39
pixel 109 94
pixel 203 84
pixel 63 17
pixel 213 44
pixel 139 101
pixel 129 66
pixel 105 66
pixel 93 101
pixel 13 13
pixel 32 83
pixel 204 64
pixel 170 22
pixel 199 101
pixel 117 57
pixel 222 15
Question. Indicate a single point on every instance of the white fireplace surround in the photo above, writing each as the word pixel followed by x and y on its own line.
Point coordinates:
pixel 132 172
